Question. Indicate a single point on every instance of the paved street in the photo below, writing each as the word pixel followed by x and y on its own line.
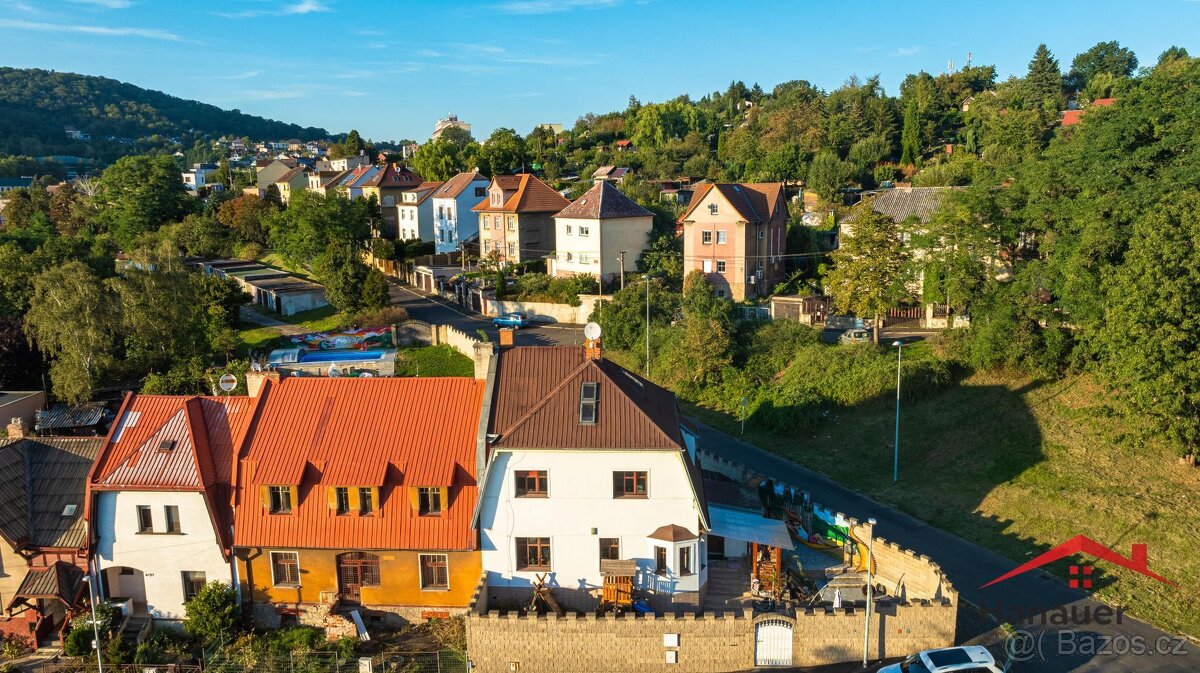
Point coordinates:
pixel 969 566
pixel 435 310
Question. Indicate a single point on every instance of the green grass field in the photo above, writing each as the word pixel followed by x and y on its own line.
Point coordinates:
pixel 1019 466
pixel 316 320
pixel 273 260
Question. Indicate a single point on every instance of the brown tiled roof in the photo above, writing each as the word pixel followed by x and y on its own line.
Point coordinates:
pixel 753 201
pixel 392 175
pixel 902 203
pixel 604 201
pixel 451 188
pixel 62 581
pixel 672 533
pixel 41 476
pixel 290 175
pixel 532 196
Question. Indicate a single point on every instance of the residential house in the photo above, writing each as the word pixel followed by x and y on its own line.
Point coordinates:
pixel 451 121
pixel 270 170
pixel 43 534
pixel 587 465
pixel 351 186
pixel 407 150
pixel 322 182
pixel 197 178
pixel 606 173
pixel 346 503
pixel 516 221
pixel 414 212
pixel 158 499
pixel 625 145
pixel 388 184
pixel 9 184
pixel 349 163
pixel 735 233
pixel 453 221
pixel 295 180
pixel 602 233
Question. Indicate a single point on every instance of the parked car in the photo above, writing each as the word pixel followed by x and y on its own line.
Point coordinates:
pixel 856 335
pixel 966 659
pixel 513 320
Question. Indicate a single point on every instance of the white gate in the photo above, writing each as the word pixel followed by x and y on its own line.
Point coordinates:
pixel 773 643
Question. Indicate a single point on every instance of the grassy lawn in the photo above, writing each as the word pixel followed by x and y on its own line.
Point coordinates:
pixel 433 361
pixel 316 320
pixel 1019 466
pixel 273 260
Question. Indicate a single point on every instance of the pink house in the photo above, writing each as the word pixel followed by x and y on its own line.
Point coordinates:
pixel 735 234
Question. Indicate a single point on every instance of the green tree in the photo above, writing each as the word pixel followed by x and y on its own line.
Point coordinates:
pixel 827 175
pixel 623 318
pixel 212 614
pixel 305 229
pixel 248 216
pixel 1151 337
pixel 503 153
pixel 344 276
pixel 910 137
pixel 868 273
pixel 437 160
pixel 139 194
pixel 1109 58
pixel 74 320
pixel 375 290
pixel 350 146
pixel 1044 82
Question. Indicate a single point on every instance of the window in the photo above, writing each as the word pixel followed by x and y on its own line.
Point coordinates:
pixel 171 515
pixel 685 560
pixel 341 498
pixel 495 199
pixel 629 484
pixel 281 499
pixel 585 259
pixel 712 209
pixel 533 553
pixel 441 235
pixel 285 568
pixel 512 249
pixel 584 231
pixel 429 501
pixel 512 223
pixel 486 226
pixel 720 237
pixel 610 548
pixel 568 256
pixel 145 520
pixel 435 574
pixel 660 560
pixel 366 500
pixel 720 266
pixel 589 397
pixel 706 237
pixel 193 582
pixel 532 484
pixel 706 266
pixel 389 201
pixel 568 230
pixel 441 212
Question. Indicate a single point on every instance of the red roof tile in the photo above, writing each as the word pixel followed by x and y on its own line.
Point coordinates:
pixel 388 432
pixel 1072 117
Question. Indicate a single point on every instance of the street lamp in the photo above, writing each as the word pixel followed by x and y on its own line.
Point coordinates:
pixel 896 444
pixel 870 591
pixel 95 624
pixel 646 278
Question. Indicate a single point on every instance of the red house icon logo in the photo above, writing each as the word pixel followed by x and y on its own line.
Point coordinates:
pixel 1081 576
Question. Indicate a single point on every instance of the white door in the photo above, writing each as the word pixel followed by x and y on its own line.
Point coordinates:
pixel 773 643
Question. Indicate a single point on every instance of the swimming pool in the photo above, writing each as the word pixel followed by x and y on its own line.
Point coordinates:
pixel 313 357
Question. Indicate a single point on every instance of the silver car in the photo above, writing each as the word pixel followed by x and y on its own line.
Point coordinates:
pixel 857 335
pixel 965 659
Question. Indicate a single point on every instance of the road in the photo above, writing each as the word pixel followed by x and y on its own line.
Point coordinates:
pixel 435 310
pixel 1047 649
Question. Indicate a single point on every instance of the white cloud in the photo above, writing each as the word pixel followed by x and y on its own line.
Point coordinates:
pixel 552 6
pixel 107 4
pixel 149 33
pixel 272 94
pixel 249 74
pixel 907 51
pixel 301 7
pixel 306 7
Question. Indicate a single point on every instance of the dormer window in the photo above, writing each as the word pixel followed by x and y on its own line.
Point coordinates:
pixel 495 199
pixel 279 499
pixel 589 397
pixel 429 501
pixel 341 500
pixel 366 500
pixel 166 445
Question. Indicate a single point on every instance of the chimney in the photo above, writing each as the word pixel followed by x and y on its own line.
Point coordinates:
pixel 256 380
pixel 506 337
pixel 16 428
pixel 1137 557
pixel 591 349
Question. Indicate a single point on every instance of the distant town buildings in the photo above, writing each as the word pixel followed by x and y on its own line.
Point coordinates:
pixel 450 121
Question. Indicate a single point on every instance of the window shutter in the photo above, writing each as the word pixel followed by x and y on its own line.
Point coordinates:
pixel 354 500
pixel 414 496
pixel 445 496
pixel 295 496
pixel 331 494
pixel 264 493
pixel 376 510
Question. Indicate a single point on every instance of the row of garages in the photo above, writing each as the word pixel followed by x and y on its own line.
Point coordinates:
pixel 275 290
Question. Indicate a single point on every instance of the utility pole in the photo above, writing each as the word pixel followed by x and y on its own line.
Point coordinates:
pixel 870 597
pixel 622 257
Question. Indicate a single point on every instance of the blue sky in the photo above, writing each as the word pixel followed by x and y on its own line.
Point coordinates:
pixel 392 68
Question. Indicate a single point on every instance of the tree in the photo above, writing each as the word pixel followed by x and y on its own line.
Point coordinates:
pixel 212 614
pixel 437 160
pixel 1172 54
pixel 867 277
pixel 201 236
pixel 350 146
pixel 375 290
pixel 248 216
pixel 827 175
pixel 383 248
pixel 1109 58
pixel 623 318
pixel 1044 82
pixel 910 137
pixel 1151 337
pixel 305 229
pixel 73 319
pixel 344 276
pixel 139 194
pixel 503 153
pixel 458 137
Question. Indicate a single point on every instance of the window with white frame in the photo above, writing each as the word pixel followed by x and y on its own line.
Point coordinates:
pixel 720 236
pixel 706 237
pixel 583 231
pixel 720 266
pixel 712 209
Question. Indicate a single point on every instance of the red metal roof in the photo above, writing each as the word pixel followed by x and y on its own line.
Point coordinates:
pixel 393 433
pixel 1072 117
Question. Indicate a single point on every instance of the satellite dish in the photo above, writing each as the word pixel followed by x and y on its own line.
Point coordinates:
pixel 334 371
pixel 591 330
pixel 227 382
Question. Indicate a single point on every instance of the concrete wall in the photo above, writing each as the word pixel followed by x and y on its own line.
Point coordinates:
pixel 480 352
pixel 547 312
pixel 158 558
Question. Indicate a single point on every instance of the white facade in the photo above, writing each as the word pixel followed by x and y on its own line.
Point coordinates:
pixel 148 567
pixel 452 218
pixel 414 216
pixel 594 245
pixel 580 509
pixel 347 163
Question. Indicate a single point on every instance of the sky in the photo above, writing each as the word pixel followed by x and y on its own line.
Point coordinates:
pixel 391 68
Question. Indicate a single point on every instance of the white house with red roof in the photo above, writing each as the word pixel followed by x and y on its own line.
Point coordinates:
pixel 158 500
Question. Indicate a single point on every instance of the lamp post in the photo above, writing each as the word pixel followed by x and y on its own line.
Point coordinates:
pixel 896 444
pixel 870 591
pixel 646 278
pixel 745 401
pixel 95 624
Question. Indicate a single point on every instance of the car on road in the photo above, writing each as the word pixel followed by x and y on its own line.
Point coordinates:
pixel 856 335
pixel 513 320
pixel 966 659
